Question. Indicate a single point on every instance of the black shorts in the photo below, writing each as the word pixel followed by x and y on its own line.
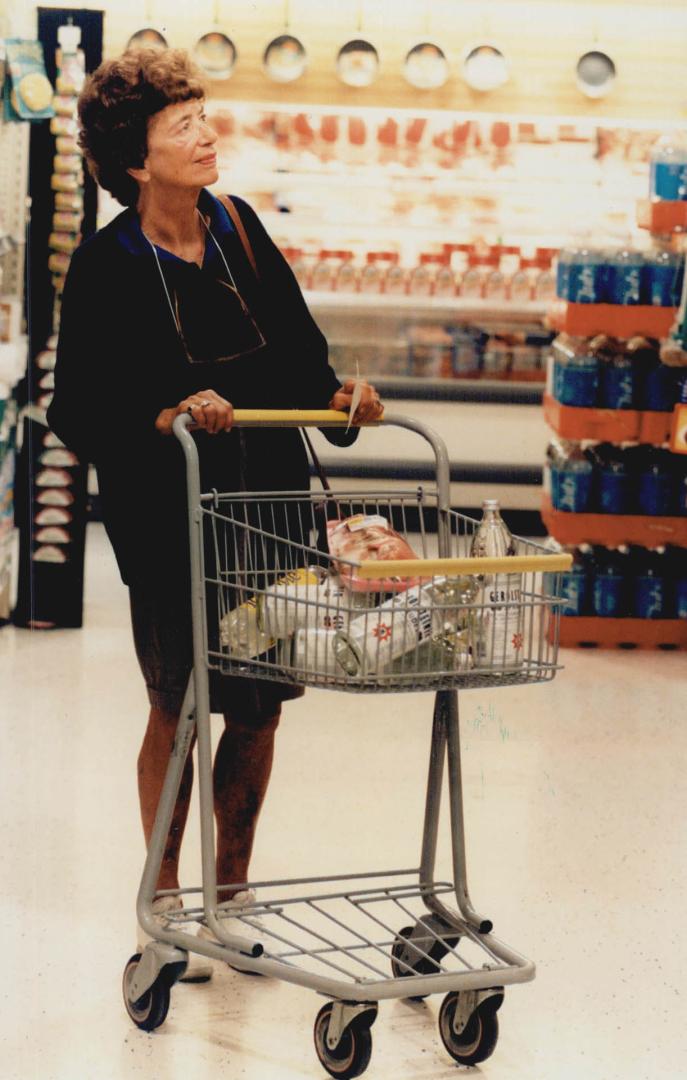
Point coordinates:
pixel 163 638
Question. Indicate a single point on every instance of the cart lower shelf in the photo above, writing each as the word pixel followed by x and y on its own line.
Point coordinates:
pixel 590 631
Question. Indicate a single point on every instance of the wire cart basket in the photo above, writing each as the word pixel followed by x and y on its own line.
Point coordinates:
pixel 270 600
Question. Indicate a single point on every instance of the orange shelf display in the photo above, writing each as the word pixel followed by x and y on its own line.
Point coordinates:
pixel 607 425
pixel 611 530
pixel 618 320
pixel 662 215
pixel 592 631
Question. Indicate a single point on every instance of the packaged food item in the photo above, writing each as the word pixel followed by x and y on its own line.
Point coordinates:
pixel 310 601
pixel 65 126
pixel 53 534
pixel 62 241
pixel 65 221
pixel 49 553
pixel 53 478
pixel 67 200
pixel 59 262
pixel 27 91
pixel 373 641
pixel 10 319
pixel 51 440
pixel 64 182
pixel 368 537
pixel 64 105
pixel 48 381
pixel 60 457
pixel 313 652
pixel 53 515
pixel 67 163
pixel 54 497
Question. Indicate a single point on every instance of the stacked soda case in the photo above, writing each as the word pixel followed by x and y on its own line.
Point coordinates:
pixel 605 373
pixel 609 479
pixel 589 274
pixel 625 582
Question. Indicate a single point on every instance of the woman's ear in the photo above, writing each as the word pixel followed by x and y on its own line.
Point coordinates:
pixel 141 176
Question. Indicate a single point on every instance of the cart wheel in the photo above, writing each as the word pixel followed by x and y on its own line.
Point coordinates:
pixel 477 1041
pixel 422 965
pixel 352 1055
pixel 151 1009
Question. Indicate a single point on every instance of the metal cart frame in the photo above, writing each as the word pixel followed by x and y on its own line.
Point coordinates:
pixel 427 957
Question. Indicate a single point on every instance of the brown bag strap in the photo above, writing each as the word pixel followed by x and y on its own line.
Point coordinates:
pixel 230 207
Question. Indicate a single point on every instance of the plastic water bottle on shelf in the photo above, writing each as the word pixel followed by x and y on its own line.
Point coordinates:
pixel 572 480
pixel 651 584
pixel 372 273
pixel 662 278
pixel 575 372
pixel 618 374
pixel 347 274
pixel 610 586
pixel 565 257
pixel 545 279
pixel 668 167
pixel 500 623
pixel 626 268
pixel 587 275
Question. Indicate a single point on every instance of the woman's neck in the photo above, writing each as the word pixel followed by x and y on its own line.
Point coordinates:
pixel 169 217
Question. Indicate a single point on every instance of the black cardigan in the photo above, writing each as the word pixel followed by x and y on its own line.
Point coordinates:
pixel 120 362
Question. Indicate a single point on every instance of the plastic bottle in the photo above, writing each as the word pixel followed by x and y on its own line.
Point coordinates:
pixel 563 262
pixel 347 276
pixel 575 372
pixel 618 374
pixel 396 278
pixel 587 276
pixel 677 573
pixel 626 268
pixel 572 480
pixel 499 635
pixel 325 271
pixel 545 279
pixel 421 280
pixel 657 493
pixel 610 584
pixel 372 273
pixel 240 633
pixel 495 283
pixel 656 384
pixel 651 584
pixel 668 167
pixel 472 285
pixel 521 289
pixel 444 281
pixel 662 278
pixel 576 583
pixel 614 480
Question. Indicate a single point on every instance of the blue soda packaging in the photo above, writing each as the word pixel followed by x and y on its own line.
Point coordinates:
pixel 575 372
pixel 656 482
pixel 656 382
pixel 587 276
pixel 668 168
pixel 576 585
pixel 625 273
pixel 617 375
pixel 571 480
pixel 613 480
pixel 677 562
pixel 662 278
pixel 610 585
pixel 651 585
pixel 563 272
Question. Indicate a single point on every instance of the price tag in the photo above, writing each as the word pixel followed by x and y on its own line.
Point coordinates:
pixel 678 431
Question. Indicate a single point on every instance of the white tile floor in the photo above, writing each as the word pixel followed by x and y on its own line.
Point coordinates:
pixel 576 806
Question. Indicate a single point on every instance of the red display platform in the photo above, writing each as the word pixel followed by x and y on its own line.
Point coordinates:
pixel 592 631
pixel 618 320
pixel 611 530
pixel 607 425
pixel 662 215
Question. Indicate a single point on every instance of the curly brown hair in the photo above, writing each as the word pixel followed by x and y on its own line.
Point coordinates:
pixel 116 104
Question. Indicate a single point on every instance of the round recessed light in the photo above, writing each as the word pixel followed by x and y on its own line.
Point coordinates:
pixel 215 54
pixel 285 59
pixel 426 66
pixel 485 68
pixel 357 63
pixel 595 73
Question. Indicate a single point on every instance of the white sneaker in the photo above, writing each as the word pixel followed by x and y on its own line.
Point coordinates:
pixel 240 904
pixel 199 968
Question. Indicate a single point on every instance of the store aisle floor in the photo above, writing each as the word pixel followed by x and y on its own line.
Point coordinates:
pixel 576 807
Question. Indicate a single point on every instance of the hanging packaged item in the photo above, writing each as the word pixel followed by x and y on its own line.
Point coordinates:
pixel 28 93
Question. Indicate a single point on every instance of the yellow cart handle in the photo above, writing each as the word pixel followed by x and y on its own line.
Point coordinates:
pixel 296 418
pixel 510 564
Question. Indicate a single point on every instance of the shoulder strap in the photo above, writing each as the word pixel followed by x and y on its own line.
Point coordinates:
pixel 230 207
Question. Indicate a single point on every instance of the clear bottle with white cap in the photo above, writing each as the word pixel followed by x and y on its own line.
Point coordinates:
pixel 500 619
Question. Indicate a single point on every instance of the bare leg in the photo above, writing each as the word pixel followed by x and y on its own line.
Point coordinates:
pixel 152 766
pixel 243 765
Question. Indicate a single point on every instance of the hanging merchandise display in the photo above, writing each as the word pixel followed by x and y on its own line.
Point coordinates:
pixel 51 481
pixel 27 91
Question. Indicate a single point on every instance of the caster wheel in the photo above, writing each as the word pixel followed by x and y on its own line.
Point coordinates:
pixel 421 965
pixel 151 1009
pixel 477 1041
pixel 352 1056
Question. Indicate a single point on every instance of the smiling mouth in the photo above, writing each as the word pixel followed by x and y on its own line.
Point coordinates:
pixel 208 160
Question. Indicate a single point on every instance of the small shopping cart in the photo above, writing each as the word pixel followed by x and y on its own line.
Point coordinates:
pixel 269 600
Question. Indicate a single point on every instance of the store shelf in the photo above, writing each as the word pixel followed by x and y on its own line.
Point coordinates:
pixel 662 215
pixel 589 630
pixel 607 425
pixel 617 320
pixel 477 391
pixel 612 530
pixel 459 309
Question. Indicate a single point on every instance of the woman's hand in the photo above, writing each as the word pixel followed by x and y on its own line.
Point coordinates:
pixel 207 409
pixel 369 407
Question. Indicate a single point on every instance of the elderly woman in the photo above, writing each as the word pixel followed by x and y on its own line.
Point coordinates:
pixel 163 313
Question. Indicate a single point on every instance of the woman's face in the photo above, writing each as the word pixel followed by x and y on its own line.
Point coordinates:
pixel 181 146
